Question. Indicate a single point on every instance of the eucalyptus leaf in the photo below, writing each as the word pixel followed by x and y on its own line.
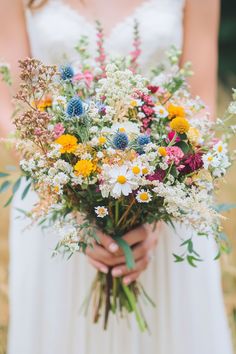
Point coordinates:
pixel 26 190
pixel 4 187
pixel 9 201
pixel 16 185
pixel 3 174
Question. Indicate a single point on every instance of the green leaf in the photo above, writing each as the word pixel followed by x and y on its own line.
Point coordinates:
pixel 9 201
pixel 183 146
pixel 3 174
pixel 218 255
pixel 191 260
pixel 177 258
pixel 16 185
pixel 127 251
pixel 4 187
pixel 26 190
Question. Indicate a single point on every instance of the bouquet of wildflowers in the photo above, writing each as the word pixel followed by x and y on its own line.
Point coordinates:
pixel 102 141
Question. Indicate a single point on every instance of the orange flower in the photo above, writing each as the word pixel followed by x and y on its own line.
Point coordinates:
pixel 68 143
pixel 175 111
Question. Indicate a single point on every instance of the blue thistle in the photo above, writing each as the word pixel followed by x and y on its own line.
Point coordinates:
pixel 67 72
pixel 75 107
pixel 143 140
pixel 120 140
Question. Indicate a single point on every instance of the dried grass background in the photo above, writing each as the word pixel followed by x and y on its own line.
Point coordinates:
pixel 227 194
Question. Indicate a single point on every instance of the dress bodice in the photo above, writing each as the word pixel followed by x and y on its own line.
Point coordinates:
pixel 55 30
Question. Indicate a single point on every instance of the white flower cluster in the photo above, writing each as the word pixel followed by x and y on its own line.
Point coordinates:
pixel 119 85
pixel 190 206
pixel 217 160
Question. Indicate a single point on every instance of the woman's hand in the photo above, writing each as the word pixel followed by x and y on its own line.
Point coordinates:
pixel 107 254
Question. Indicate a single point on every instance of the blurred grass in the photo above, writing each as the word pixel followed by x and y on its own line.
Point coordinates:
pixel 227 194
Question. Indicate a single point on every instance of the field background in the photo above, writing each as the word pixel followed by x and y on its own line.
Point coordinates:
pixel 227 79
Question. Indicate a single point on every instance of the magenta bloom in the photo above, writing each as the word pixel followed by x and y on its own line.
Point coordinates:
pixel 192 162
pixel 174 154
pixel 172 135
pixel 58 130
pixel 159 175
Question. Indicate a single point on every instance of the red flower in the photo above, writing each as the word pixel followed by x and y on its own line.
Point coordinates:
pixel 192 163
pixel 152 88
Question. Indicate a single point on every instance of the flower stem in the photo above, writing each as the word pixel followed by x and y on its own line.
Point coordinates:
pixel 132 301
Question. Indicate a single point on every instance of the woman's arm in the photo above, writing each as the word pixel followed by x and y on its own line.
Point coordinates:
pixel 13 46
pixel 201 24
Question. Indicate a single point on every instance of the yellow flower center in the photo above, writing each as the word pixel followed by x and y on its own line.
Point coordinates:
pixel 161 110
pixel 102 140
pixel 133 103
pixel 122 130
pixel 56 189
pixel 144 196
pixel 84 168
pixel 162 151
pixel 121 179
pixel 136 170
pixel 210 158
pixel 220 148
pixel 145 170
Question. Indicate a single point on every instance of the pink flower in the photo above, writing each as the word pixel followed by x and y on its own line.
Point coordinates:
pixel 172 135
pixel 87 76
pixel 174 154
pixel 147 110
pixel 58 130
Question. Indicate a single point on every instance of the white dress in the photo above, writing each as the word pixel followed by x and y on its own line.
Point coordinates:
pixel 46 293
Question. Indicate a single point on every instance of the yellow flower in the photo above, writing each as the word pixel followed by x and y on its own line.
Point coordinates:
pixel 68 143
pixel 202 175
pixel 180 125
pixel 102 140
pixel 84 168
pixel 193 135
pixel 162 151
pixel 175 111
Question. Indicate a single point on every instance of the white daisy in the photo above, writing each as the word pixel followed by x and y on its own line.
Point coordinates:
pixel 101 211
pixel 160 111
pixel 143 196
pixel 122 180
pixel 126 127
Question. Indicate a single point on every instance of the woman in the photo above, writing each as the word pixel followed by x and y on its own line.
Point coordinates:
pixel 45 294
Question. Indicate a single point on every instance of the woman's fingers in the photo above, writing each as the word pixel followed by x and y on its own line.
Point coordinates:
pixel 135 236
pixel 131 277
pixel 107 242
pixel 100 254
pixel 98 265
pixel 122 270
